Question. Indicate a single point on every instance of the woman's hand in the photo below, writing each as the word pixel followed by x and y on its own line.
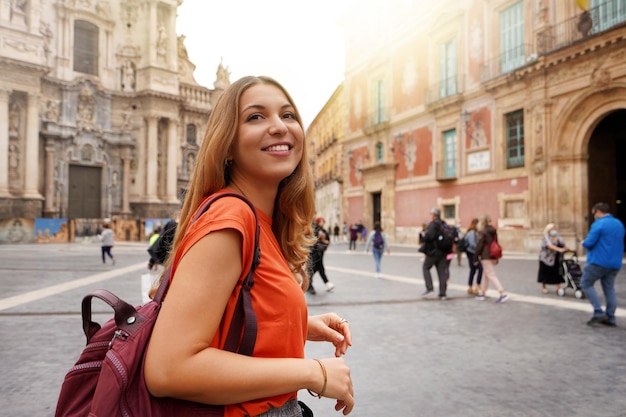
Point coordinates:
pixel 330 327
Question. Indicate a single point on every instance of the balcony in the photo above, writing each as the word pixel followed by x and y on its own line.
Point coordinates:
pixel 376 121
pixel 506 62
pixel 589 23
pixel 448 87
pixel 446 170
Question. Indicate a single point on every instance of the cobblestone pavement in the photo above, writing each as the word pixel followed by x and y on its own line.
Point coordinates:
pixel 532 356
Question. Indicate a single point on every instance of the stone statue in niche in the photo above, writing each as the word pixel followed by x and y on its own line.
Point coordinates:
pixel 51 112
pixel 14 120
pixel 85 109
pixel 128 76
pixel 14 161
pixel 191 160
pixel 161 40
pixel 18 11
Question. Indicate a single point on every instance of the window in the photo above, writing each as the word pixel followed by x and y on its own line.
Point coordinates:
pixel 447 69
pixel 379 152
pixel 449 153
pixel 512 37
pixel 379 102
pixel 608 13
pixel 191 134
pixel 515 139
pixel 449 211
pixel 85 47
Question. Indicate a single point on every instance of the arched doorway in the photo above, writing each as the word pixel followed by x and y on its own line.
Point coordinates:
pixel 606 165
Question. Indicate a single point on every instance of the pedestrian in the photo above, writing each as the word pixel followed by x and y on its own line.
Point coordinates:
pixel 108 241
pixel 435 256
pixel 605 250
pixel 152 262
pixel 363 236
pixel 487 234
pixel 550 255
pixel 476 269
pixel 344 232
pixel 336 233
pixel 421 238
pixel 316 255
pixel 253 145
pixel 377 240
pixel 452 250
pixel 354 235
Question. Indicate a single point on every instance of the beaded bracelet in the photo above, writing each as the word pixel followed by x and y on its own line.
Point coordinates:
pixel 321 394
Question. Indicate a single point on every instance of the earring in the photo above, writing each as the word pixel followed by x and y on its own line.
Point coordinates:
pixel 228 162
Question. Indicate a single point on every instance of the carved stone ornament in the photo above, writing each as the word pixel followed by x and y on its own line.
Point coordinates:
pixel 600 77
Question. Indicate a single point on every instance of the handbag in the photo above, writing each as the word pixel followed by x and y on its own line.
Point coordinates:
pixel 108 378
pixel 495 250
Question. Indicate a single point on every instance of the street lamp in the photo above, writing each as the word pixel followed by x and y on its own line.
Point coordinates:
pixel 466 117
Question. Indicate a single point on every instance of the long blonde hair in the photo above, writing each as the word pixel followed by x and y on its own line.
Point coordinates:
pixel 294 207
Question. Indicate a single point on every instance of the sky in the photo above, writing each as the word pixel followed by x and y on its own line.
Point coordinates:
pixel 299 43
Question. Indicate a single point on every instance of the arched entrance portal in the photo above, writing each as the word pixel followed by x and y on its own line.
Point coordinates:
pixel 607 165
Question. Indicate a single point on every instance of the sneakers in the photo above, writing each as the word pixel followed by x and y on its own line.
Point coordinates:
pixel 544 290
pixel 502 298
pixel 598 321
pixel 442 298
pixel 609 323
pixel 427 293
pixel 330 286
pixel 470 291
pixel 480 297
pixel 311 290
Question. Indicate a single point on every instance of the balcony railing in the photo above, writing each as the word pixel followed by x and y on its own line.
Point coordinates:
pixel 446 170
pixel 596 20
pixel 376 121
pixel 507 62
pixel 445 88
pixel 197 96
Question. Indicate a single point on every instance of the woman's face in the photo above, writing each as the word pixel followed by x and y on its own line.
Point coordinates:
pixel 269 143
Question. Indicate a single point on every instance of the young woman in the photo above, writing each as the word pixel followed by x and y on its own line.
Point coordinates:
pixel 486 234
pixel 377 240
pixel 254 145
pixel 476 269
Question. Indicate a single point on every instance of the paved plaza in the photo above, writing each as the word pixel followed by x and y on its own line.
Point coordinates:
pixel 531 356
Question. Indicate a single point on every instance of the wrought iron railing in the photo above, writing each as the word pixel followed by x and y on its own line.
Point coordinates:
pixel 506 62
pixel 445 88
pixel 598 19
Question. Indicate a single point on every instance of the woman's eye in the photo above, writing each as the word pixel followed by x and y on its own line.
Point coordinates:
pixel 255 116
pixel 289 116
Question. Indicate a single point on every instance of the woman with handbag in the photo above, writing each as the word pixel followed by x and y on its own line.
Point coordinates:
pixel 552 248
pixel 254 145
pixel 487 235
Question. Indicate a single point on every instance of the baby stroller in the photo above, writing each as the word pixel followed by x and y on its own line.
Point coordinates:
pixel 572 273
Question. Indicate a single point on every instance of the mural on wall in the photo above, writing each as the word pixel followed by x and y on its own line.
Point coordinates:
pixel 476 41
pixel 409 75
pixel 358 158
pixel 412 151
pixel 17 230
pixel 478 129
pixel 51 230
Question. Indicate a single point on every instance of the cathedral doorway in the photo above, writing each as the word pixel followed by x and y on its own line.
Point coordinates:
pixel 607 165
pixel 85 192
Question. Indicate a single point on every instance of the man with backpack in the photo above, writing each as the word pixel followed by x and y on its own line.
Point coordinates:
pixel 377 240
pixel 437 244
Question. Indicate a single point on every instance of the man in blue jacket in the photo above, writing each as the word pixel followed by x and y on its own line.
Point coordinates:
pixel 605 250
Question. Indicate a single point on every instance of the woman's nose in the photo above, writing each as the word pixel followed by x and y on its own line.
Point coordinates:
pixel 277 126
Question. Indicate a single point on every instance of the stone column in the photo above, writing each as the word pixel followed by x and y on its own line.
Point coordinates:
pixel 49 190
pixel 152 151
pixel 31 154
pixel 125 180
pixel 4 144
pixel 172 158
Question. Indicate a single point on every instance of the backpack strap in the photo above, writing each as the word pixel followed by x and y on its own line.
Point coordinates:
pixel 244 317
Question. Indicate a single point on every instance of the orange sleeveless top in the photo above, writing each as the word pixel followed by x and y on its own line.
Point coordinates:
pixel 277 299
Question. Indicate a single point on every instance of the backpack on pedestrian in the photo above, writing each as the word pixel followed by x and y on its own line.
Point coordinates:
pixel 379 242
pixel 462 244
pixel 108 378
pixel 445 238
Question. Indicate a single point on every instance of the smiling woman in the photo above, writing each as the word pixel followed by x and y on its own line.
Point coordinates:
pixel 253 146
pixel 303 32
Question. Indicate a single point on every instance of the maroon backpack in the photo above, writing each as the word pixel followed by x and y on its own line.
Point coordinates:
pixel 108 378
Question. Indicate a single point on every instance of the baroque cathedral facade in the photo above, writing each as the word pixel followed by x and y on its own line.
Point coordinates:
pixel 100 115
